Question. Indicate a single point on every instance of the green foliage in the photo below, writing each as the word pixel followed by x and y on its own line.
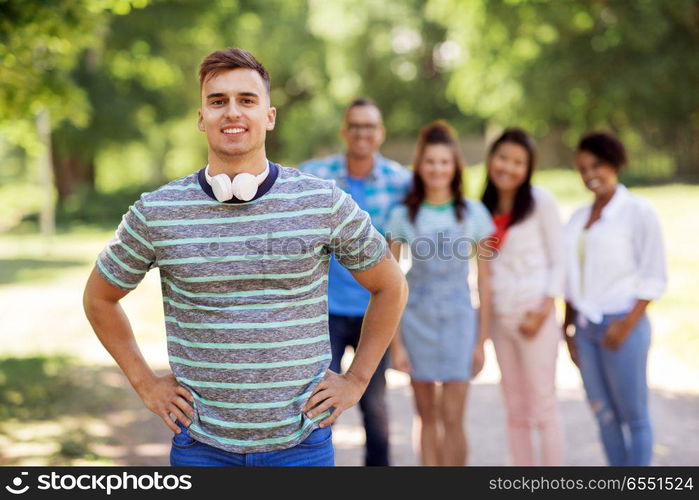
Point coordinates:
pixel 19 200
pixel 75 443
pixel 40 44
pixel 578 65
pixel 48 387
pixel 120 79
pixel 28 269
pixel 101 209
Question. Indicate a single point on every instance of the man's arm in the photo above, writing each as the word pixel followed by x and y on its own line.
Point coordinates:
pixel 162 395
pixel 389 293
pixel 400 360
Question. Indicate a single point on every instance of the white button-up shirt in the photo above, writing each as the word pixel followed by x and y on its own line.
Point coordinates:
pixel 530 264
pixel 624 257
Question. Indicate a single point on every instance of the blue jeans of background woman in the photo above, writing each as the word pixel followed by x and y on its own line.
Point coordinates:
pixel 617 389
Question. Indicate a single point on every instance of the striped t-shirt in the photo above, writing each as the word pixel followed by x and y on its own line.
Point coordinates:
pixel 245 296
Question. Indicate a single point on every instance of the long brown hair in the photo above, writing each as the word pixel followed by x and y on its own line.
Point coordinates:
pixel 439 132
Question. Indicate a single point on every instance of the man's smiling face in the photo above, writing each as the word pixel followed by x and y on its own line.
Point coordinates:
pixel 363 131
pixel 235 113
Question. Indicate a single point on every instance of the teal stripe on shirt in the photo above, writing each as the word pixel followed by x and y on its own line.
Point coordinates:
pixel 347 220
pixel 252 406
pixel 289 196
pixel 245 307
pixel 247 326
pixel 249 425
pixel 359 230
pixel 250 345
pixel 235 220
pixel 207 279
pixel 284 180
pixel 339 202
pixel 133 253
pixel 247 385
pixel 139 214
pixel 260 442
pixel 122 264
pixel 366 263
pixel 238 258
pixel 137 236
pixel 252 293
pixel 233 239
pixel 249 366
pixel 270 196
pixel 114 278
pixel 356 251
pixel 180 203
pixel 194 185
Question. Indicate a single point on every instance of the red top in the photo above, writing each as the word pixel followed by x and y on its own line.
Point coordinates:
pixel 501 221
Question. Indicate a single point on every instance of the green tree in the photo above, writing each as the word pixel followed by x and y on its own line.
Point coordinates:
pixel 579 64
pixel 128 82
pixel 141 83
pixel 40 43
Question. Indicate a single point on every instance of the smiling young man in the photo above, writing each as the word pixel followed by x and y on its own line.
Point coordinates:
pixel 243 247
pixel 376 184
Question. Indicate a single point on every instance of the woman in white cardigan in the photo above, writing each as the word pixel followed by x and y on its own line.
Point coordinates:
pixel 615 264
pixel 527 274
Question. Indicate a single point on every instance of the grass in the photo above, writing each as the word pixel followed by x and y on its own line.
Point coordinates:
pixel 37 390
pixel 48 387
pixel 28 258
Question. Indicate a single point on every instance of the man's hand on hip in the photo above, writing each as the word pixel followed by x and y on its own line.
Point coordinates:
pixel 164 396
pixel 337 391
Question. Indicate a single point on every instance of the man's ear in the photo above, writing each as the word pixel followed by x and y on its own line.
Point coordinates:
pixel 200 121
pixel 271 118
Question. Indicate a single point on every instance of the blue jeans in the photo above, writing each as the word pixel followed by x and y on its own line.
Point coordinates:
pixel 617 390
pixel 344 331
pixel 315 451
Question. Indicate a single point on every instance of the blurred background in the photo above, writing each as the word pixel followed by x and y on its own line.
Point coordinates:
pixel 98 103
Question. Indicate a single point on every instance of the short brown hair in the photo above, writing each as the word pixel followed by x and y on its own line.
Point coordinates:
pixel 228 59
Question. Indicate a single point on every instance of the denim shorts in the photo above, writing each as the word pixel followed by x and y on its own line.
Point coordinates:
pixel 315 451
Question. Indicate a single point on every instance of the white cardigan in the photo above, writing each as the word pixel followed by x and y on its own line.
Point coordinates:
pixel 530 264
pixel 624 257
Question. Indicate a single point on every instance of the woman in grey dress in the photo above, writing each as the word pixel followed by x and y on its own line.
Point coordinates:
pixel 440 342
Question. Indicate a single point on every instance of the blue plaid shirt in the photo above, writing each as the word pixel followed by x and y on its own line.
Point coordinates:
pixel 384 187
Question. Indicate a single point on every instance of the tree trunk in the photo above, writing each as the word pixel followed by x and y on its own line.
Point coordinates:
pixel 70 171
pixel 687 150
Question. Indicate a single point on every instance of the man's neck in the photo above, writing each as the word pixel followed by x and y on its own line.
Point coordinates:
pixel 253 164
pixel 359 167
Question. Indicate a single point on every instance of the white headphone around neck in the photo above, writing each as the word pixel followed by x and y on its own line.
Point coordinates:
pixel 243 186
